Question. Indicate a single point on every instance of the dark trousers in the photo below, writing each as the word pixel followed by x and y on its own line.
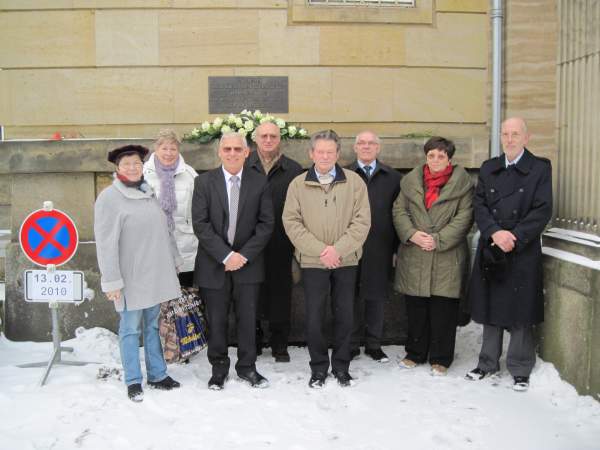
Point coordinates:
pixel 276 302
pixel 520 356
pixel 368 316
pixel 318 285
pixel 431 329
pixel 186 279
pixel 245 298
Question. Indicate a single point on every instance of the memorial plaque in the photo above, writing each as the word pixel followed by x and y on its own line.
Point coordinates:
pixel 233 94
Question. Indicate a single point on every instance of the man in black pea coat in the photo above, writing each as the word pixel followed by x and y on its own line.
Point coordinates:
pixel 276 290
pixel 375 268
pixel 232 216
pixel 512 205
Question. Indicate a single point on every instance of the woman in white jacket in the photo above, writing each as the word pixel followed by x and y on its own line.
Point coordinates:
pixel 173 181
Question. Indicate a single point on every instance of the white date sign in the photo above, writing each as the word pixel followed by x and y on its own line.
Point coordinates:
pixel 56 286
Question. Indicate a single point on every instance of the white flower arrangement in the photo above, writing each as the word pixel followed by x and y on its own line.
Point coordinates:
pixel 244 123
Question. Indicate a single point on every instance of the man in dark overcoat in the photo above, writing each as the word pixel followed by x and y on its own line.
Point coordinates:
pixel 512 205
pixel 276 290
pixel 232 216
pixel 375 268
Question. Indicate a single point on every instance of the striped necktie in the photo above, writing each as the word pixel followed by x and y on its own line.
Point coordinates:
pixel 234 198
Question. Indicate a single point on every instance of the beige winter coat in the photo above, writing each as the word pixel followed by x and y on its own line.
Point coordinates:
pixel 314 218
pixel 441 271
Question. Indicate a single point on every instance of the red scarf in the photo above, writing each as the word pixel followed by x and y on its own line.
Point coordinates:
pixel 434 182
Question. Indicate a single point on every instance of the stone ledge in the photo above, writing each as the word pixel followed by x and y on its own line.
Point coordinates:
pixel 89 155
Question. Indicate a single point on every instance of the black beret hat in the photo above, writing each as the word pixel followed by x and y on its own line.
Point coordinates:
pixel 115 155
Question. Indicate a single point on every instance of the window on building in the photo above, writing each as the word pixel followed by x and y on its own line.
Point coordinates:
pixel 362 2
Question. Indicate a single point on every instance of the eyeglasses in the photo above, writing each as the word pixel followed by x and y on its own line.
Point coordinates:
pixel 133 165
pixel 369 143
pixel 237 150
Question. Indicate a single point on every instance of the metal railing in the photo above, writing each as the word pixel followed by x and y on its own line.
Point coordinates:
pixel 578 185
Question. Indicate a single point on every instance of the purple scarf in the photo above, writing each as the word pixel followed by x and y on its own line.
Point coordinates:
pixel 168 201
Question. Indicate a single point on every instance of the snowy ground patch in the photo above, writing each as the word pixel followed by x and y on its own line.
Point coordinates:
pixel 388 408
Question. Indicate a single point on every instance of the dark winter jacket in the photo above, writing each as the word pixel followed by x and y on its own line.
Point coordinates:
pixel 517 199
pixel 279 250
pixel 439 272
pixel 376 262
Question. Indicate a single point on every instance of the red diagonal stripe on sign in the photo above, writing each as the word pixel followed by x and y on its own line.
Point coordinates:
pixel 48 237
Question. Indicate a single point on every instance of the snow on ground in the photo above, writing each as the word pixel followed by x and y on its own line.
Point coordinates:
pixel 388 408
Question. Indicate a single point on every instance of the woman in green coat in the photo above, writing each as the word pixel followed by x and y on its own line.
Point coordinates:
pixel 432 216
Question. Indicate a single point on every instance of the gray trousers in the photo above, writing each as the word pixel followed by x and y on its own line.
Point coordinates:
pixel 520 357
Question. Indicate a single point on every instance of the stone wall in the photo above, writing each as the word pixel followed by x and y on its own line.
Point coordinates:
pixel 108 68
pixel 570 335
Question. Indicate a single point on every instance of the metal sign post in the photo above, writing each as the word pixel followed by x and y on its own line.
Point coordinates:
pixel 49 238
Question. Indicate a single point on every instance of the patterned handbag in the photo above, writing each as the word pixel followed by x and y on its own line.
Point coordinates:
pixel 182 326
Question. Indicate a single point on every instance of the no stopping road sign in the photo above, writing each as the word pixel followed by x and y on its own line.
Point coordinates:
pixel 48 237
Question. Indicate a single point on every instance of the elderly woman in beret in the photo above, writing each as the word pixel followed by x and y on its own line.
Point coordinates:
pixel 432 216
pixel 137 257
pixel 173 182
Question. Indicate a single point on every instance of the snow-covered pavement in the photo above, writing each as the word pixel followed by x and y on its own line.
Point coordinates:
pixel 388 408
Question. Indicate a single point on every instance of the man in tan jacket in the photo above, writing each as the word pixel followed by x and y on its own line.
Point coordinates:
pixel 327 218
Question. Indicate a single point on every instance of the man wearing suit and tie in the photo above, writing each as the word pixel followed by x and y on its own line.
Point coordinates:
pixel 232 216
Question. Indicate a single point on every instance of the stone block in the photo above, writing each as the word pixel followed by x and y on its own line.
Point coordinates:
pixel 126 38
pixel 139 4
pixel 103 180
pixel 82 4
pixel 439 95
pixel 281 44
pixel 47 39
pixel 362 92
pixel 26 321
pixel 91 96
pixel 576 278
pixel 71 193
pixel 594 380
pixel 5 222
pixel 566 333
pixel 5 191
pixel 238 4
pixel 462 6
pixel 370 45
pixel 65 156
pixel 436 46
pixel 5 101
pixel 208 37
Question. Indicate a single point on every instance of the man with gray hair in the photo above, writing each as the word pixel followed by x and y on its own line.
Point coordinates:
pixel 512 205
pixel 375 268
pixel 327 218
pixel 232 216
pixel 276 291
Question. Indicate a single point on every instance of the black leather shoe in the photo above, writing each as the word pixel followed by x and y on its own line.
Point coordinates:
pixel 166 384
pixel 217 382
pixel 477 374
pixel 521 384
pixel 377 354
pixel 317 380
pixel 281 356
pixel 135 392
pixel 255 379
pixel 354 353
pixel 343 378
